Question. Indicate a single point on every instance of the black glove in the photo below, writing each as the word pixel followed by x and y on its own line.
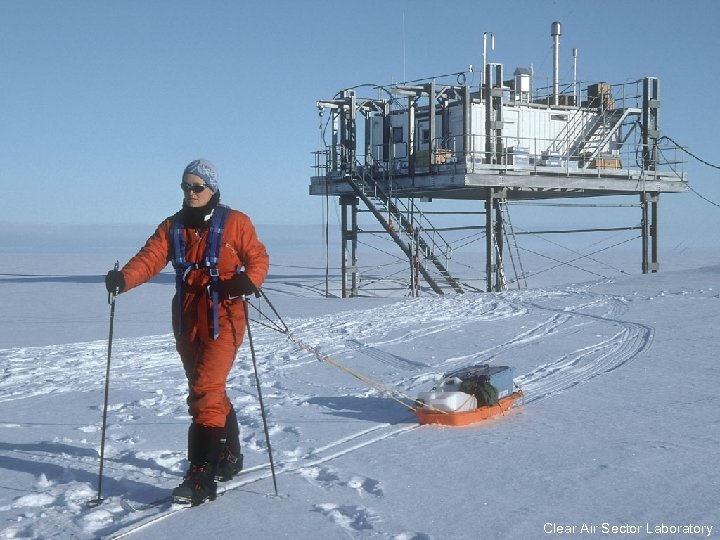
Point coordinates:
pixel 115 281
pixel 239 285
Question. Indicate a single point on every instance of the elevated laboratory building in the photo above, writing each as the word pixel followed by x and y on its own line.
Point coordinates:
pixel 506 139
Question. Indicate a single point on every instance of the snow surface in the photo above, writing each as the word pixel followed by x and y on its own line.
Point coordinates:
pixel 620 426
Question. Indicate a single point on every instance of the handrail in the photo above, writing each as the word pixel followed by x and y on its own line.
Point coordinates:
pixel 409 225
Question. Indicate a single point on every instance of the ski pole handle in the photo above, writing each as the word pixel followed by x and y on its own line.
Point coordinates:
pixel 113 294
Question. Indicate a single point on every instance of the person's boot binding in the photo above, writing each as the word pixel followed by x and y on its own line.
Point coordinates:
pixel 229 466
pixel 197 487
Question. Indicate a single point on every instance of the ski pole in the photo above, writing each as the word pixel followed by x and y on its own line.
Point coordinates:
pixel 260 398
pixel 111 300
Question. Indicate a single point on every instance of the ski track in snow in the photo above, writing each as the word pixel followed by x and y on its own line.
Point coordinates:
pixel 354 336
pixel 578 367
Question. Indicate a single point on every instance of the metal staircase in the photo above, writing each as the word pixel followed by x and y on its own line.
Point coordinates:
pixel 410 230
pixel 586 137
pixel 605 127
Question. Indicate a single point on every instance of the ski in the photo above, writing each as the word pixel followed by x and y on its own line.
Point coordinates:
pixel 151 513
pixel 165 507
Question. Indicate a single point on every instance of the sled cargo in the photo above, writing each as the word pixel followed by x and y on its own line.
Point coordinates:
pixel 468 396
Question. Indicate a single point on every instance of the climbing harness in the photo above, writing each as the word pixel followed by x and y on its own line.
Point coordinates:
pixel 212 256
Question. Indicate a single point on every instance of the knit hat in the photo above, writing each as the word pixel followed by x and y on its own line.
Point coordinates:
pixel 205 170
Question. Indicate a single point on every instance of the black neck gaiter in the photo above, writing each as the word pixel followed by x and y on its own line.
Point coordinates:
pixel 196 217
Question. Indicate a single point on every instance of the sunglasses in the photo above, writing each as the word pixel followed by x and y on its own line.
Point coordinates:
pixel 195 188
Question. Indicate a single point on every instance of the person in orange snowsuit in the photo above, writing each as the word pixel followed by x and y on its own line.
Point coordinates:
pixel 218 261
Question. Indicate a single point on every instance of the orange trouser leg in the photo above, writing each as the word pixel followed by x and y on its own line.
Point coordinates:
pixel 207 362
pixel 207 366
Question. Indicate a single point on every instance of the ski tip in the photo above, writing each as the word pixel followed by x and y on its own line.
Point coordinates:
pixel 181 502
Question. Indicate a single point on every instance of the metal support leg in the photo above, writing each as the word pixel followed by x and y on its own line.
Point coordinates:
pixel 493 236
pixel 489 242
pixel 500 283
pixel 649 203
pixel 348 204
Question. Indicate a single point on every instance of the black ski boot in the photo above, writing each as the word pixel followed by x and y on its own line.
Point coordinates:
pixel 199 486
pixel 204 448
pixel 228 466
pixel 231 460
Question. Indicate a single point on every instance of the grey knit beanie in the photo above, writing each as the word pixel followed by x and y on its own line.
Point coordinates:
pixel 205 170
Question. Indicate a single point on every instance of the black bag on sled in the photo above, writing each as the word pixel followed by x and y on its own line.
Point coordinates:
pixel 484 392
pixel 487 383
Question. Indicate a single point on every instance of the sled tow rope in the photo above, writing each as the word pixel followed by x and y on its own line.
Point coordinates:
pixel 280 326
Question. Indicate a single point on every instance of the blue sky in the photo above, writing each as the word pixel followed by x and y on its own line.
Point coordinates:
pixel 105 102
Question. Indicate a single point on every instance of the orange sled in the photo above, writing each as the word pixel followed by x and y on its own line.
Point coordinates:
pixel 465 418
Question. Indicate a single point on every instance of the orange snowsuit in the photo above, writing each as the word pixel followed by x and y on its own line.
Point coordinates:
pixel 207 362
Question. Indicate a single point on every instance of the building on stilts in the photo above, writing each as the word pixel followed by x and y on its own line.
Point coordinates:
pixel 507 140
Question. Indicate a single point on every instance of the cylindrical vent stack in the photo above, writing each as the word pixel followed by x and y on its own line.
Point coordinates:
pixel 555 33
